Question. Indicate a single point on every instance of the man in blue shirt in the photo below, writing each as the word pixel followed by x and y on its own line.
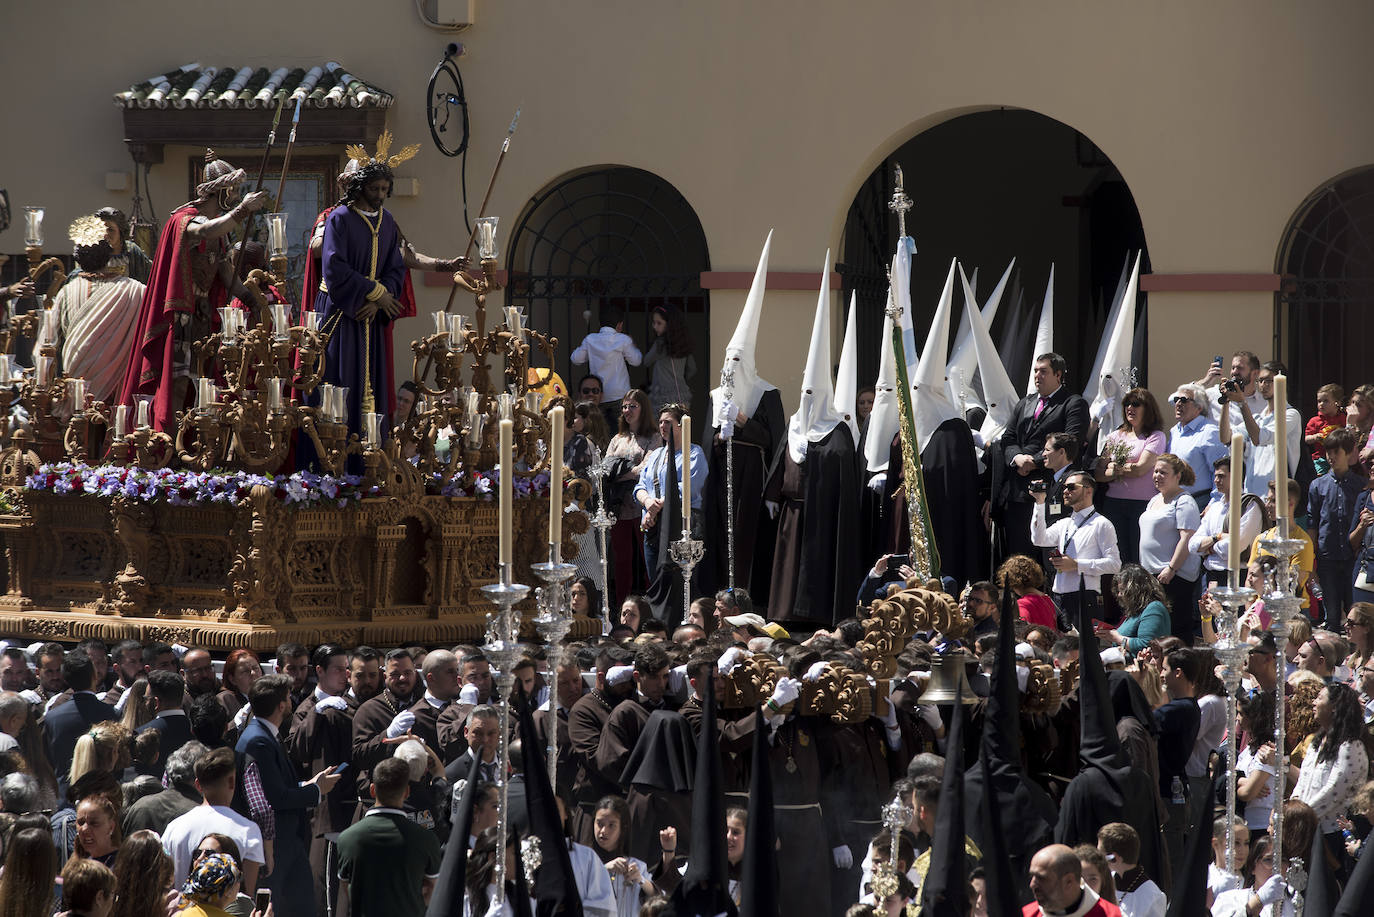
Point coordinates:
pixel 1196 438
pixel 1331 501
pixel 653 480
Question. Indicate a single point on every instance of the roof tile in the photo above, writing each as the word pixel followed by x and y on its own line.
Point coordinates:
pixel 192 86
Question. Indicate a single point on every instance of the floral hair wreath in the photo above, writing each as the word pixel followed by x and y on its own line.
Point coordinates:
pixel 359 152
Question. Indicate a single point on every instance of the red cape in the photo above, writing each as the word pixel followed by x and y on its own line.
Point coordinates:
pixel 170 291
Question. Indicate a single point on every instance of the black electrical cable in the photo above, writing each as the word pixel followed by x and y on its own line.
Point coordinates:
pixel 445 92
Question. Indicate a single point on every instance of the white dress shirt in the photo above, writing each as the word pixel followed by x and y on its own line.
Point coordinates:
pixel 607 353
pixel 1259 460
pixel 1088 538
pixel 1214 521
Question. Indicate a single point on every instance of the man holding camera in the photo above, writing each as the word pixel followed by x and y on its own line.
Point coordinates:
pixel 1083 545
pixel 1245 367
pixel 1260 454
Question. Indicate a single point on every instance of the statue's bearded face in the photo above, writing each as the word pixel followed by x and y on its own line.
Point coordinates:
pixel 376 192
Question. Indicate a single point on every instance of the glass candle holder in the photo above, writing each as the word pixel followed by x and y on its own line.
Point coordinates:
pixel 279 322
pixel 373 428
pixel 515 320
pixel 274 394
pixel 276 235
pixel 143 413
pixel 78 389
pixel 121 421
pixel 486 238
pixel 33 227
pixel 312 320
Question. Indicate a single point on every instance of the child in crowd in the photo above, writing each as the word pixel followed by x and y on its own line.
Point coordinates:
pixel 1330 416
pixel 1137 894
pixel 1331 509
pixel 629 876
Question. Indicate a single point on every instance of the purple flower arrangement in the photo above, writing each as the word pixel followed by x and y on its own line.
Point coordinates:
pixel 304 488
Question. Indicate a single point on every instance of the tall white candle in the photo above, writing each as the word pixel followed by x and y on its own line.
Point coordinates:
pixel 505 406
pixel 274 394
pixel 556 476
pixel 507 490
pixel 440 322
pixel 1281 445
pixel 79 394
pixel 141 418
pixel 121 421
pixel 455 330
pixel 279 323
pixel 686 445
pixel 312 320
pixel 1237 489
pixel 374 428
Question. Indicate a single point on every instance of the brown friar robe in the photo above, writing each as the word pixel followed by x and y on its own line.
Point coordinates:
pixel 585 722
pixel 735 738
pixel 318 739
pixel 566 769
pixel 618 738
pixel 855 778
pixel 803 829
pixel 435 726
pixel 369 729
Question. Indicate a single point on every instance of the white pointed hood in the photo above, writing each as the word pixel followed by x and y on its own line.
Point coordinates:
pixel 963 360
pixel 998 392
pixel 815 417
pixel 1114 362
pixel 739 353
pixel 885 420
pixel 1044 334
pixel 847 375
pixel 1118 298
pixel 931 405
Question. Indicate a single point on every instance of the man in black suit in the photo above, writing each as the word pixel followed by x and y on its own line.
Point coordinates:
pixel 65 723
pixel 1020 460
pixel 290 880
pixel 170 720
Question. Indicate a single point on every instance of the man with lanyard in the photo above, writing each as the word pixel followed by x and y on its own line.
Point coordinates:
pixel 649 492
pixel 1083 545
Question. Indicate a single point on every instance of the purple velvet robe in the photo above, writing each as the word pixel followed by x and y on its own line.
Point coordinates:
pixel 354 259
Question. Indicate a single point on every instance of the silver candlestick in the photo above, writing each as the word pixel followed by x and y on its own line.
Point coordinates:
pixel 687 552
pixel 1297 880
pixel 553 622
pixel 727 394
pixel 1283 605
pixel 501 649
pixel 603 522
pixel 1231 653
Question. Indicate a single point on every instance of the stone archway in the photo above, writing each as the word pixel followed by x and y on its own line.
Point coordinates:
pixel 611 236
pixel 988 186
pixel 1327 260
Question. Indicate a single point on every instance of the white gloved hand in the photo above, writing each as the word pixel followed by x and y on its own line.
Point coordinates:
pixel 816 671
pixel 1272 890
pixel 788 690
pixel 33 696
pixel 241 718
pixel 843 856
pixel 890 717
pixel 122 701
pixel 931 715
pixel 878 482
pixel 725 419
pixel 469 695
pixel 729 659
pixel 772 508
pixel 180 650
pixel 400 724
pixel 333 702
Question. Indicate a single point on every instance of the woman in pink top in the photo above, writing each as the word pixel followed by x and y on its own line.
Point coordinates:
pixel 1024 577
pixel 1128 457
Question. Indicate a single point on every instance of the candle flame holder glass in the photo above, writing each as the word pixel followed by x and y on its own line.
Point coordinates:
pixel 276 235
pixel 33 227
pixel 486 238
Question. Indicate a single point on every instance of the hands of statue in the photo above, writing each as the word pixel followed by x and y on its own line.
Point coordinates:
pixel 366 311
pixel 388 304
pixel 255 200
pixel 20 289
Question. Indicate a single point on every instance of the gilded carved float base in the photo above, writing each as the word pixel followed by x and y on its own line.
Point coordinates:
pixel 382 571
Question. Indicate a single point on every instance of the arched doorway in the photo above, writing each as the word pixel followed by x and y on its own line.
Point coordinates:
pixel 1327 257
pixel 612 237
pixel 987 187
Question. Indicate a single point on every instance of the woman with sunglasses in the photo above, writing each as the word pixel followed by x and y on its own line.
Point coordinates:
pixel 1359 631
pixel 1128 455
pixel 629 448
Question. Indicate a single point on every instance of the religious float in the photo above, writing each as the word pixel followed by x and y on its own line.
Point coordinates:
pixel 202 535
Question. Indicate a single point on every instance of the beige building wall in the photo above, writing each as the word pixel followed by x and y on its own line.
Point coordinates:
pixel 1222 116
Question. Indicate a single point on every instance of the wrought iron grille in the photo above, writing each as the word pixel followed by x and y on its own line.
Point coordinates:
pixel 1328 290
pixel 614 237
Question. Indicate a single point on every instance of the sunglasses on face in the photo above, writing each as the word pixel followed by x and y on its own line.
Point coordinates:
pixel 591 391
pixel 1071 486
pixel 1182 400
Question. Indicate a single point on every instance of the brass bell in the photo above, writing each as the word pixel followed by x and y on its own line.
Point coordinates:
pixel 947 677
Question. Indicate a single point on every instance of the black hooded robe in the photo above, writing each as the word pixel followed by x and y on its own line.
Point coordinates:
pixel 816 564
